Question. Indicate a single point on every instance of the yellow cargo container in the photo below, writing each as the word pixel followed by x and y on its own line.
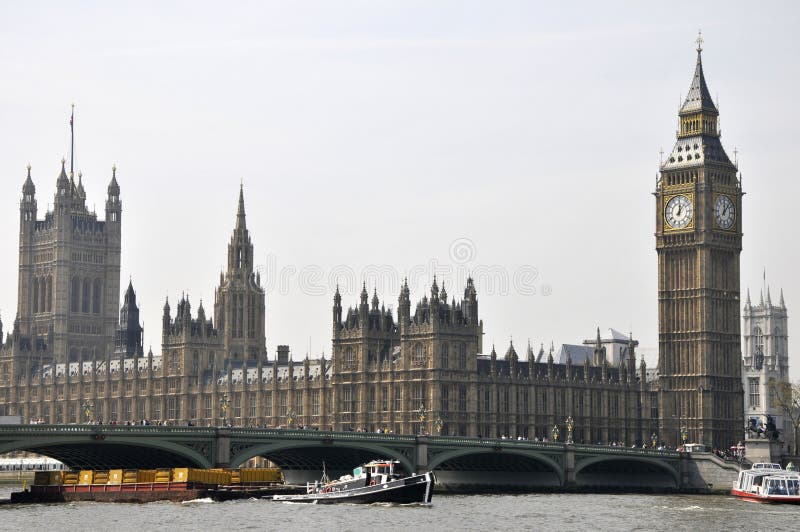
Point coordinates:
pixel 235 476
pixel 71 477
pixel 100 477
pixel 163 475
pixel 261 475
pixel 180 474
pixel 86 477
pixel 146 475
pixel 115 476
pixel 130 476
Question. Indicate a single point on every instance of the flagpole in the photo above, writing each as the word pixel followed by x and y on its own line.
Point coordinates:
pixel 71 140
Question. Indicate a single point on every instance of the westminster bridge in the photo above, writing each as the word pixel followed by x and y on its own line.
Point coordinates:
pixel 460 464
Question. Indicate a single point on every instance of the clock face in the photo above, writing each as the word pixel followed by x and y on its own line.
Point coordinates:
pixel 679 212
pixel 724 212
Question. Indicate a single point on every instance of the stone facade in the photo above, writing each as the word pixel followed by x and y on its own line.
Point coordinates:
pixel 409 373
pixel 699 239
pixel 765 356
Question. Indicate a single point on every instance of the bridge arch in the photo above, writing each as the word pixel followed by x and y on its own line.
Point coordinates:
pixel 310 454
pixel 506 469
pixel 626 472
pixel 79 452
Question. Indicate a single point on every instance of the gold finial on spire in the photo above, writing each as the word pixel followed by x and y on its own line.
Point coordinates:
pixel 29 169
pixel 699 41
pixel 114 170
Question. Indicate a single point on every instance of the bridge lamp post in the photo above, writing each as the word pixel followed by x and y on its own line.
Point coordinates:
pixel 653 440
pixel 88 409
pixel 290 417
pixel 438 424
pixel 555 433
pixel 422 415
pixel 570 424
pixel 684 434
pixel 224 405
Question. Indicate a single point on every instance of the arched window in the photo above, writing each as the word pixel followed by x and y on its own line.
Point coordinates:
pixel 419 355
pixel 35 295
pixel 445 355
pixel 349 358
pixel 97 296
pixel 42 296
pixel 87 292
pixel 195 362
pixel 49 291
pixel 75 302
pixel 462 356
pixel 758 339
pixel 174 362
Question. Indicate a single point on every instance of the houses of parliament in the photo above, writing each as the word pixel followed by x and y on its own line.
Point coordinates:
pixel 72 355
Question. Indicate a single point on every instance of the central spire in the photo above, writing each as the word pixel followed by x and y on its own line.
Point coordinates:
pixel 240 216
pixel 699 98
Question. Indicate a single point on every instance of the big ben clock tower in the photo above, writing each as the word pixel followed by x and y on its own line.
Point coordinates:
pixel 698 240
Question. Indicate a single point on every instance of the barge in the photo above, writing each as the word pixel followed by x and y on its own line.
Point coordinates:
pixel 141 486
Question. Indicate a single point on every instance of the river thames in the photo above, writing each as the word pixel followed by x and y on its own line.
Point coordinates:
pixel 448 512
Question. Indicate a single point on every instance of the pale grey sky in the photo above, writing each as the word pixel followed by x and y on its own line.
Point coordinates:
pixel 516 139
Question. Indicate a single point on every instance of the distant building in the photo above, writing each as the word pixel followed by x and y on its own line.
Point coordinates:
pixel 765 358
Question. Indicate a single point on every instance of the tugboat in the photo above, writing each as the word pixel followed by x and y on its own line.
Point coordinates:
pixel 373 482
pixel 768 483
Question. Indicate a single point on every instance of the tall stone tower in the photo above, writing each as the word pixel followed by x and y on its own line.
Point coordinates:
pixel 698 240
pixel 69 265
pixel 765 356
pixel 239 299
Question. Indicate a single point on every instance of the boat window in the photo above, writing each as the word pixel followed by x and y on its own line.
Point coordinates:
pixel 793 487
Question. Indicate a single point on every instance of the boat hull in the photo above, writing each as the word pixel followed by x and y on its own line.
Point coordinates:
pixel 777 499
pixel 417 489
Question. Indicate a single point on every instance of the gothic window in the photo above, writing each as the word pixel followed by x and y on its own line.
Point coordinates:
pixel 298 403
pixel 207 408
pixel 237 406
pixel 35 296
pixel 75 299
pixel 284 407
pixel 87 289
pixel 173 366
pixel 315 403
pixel 758 339
pixel 419 355
pixel 268 404
pixel 462 355
pixel 252 411
pixel 754 391
pixel 42 294
pixel 445 391
pixel 192 407
pixel 504 404
pixel 96 296
pixel 211 360
pixel 418 396
pixel 398 401
pixel 347 397
pixel 49 292
pixel 384 399
pixel 462 398
pixel 349 358
pixel 195 363
pixel 371 400
pixel 173 410
pixel 487 400
pixel 445 355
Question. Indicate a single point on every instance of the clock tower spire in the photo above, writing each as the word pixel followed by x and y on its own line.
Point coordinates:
pixel 698 240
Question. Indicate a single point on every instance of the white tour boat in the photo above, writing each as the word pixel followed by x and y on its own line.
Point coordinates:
pixel 768 483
